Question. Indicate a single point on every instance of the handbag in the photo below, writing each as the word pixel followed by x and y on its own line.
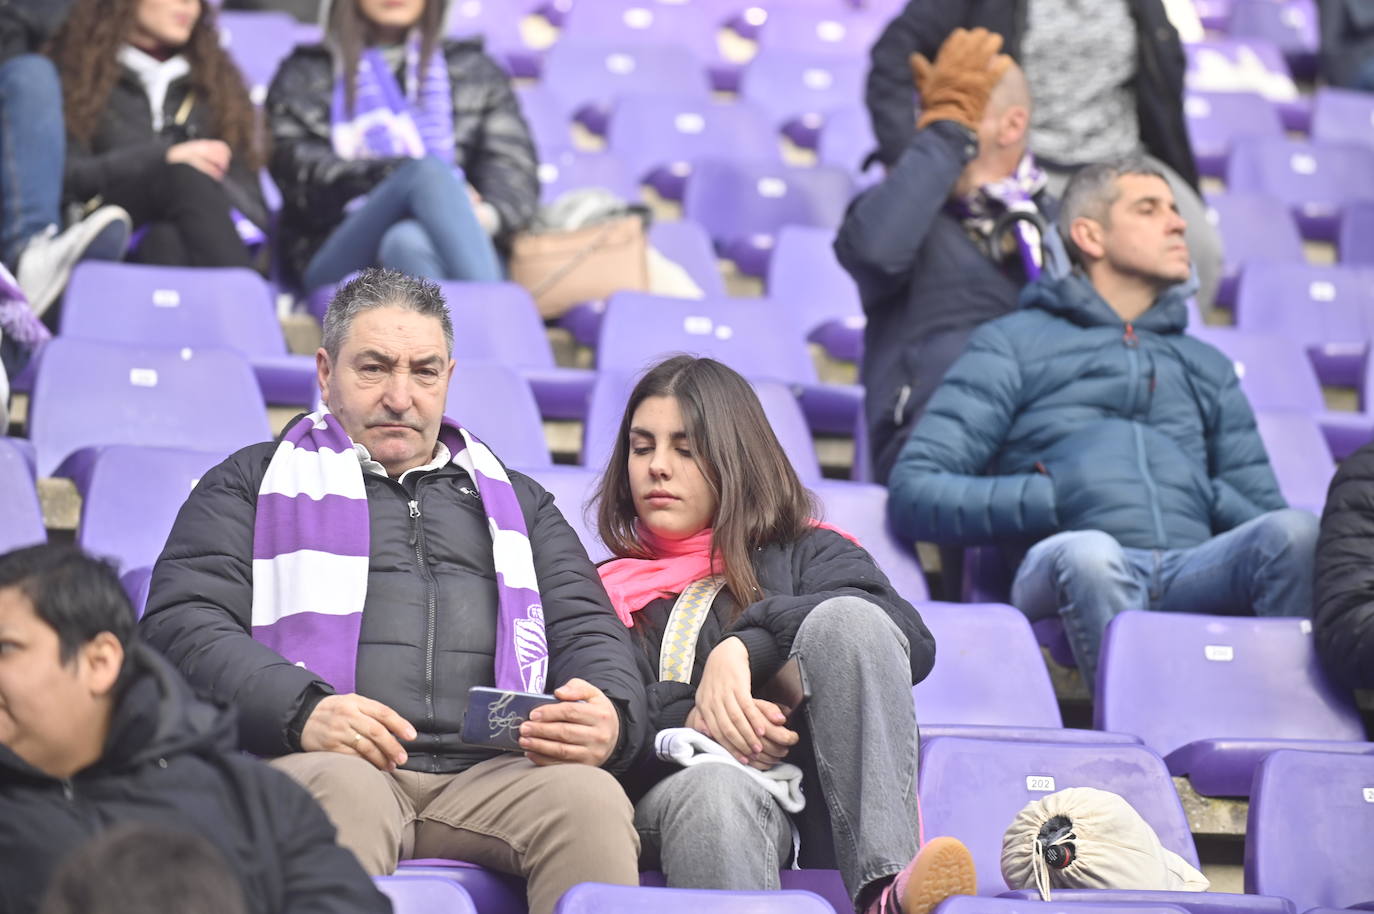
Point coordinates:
pixel 562 268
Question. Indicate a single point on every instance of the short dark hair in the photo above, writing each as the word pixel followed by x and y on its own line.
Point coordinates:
pixel 1091 192
pixel 78 595
pixel 376 287
pixel 133 869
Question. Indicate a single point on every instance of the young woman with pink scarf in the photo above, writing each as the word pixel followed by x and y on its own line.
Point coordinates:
pixel 773 647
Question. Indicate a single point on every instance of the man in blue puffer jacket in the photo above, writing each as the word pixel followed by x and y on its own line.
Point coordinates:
pixel 1090 422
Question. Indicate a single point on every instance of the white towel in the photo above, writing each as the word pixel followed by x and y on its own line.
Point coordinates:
pixel 687 747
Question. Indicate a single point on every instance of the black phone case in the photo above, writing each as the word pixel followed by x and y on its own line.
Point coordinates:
pixel 494 716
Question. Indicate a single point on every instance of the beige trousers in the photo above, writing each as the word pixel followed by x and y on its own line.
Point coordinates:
pixel 556 825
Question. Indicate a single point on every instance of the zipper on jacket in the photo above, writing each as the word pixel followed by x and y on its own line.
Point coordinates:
pixel 68 790
pixel 1151 490
pixel 417 539
pixel 1129 338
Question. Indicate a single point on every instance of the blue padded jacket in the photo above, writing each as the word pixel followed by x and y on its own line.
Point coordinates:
pixel 1063 417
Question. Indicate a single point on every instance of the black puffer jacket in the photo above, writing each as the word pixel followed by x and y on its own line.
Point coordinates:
pixel 1343 614
pixel 493 146
pixel 169 760
pixel 125 146
pixel 201 596
pixel 26 24
pixel 924 24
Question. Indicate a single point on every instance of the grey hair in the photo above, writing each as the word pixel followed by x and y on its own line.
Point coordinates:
pixel 376 287
pixel 1091 192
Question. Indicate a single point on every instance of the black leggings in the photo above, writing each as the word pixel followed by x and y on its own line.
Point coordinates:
pixel 185 217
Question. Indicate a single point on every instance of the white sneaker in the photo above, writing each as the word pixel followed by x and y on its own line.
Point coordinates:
pixel 47 260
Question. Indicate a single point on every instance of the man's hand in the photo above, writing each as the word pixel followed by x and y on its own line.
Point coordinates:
pixel 583 728
pixel 209 156
pixel 725 703
pixel 957 86
pixel 354 725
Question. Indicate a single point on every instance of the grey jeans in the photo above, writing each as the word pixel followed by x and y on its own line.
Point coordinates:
pixel 711 826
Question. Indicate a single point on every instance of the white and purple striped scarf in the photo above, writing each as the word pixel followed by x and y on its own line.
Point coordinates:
pixel 311 548
pixel 1013 194
pixel 388 122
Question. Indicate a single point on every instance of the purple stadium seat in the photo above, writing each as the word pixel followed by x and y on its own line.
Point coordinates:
pixel 633 22
pixel 1356 242
pixel 1327 865
pixel 492 401
pixel 425 895
pixel 597 898
pixel 591 76
pixel 1317 180
pixel 1215 14
pixel 147 483
pixel 498 23
pixel 1253 227
pixel 491 892
pixel 572 489
pixel 658 136
pixel 568 169
pixel 1193 902
pixel 832 29
pixel 1299 455
pixel 549 118
pixel 846 140
pixel 967 904
pixel 1330 309
pixel 807 281
pixel 1274 370
pixel 798 90
pixel 229 307
pixel 499 322
pixel 89 393
pixel 686 243
pixel 21 522
pixel 743 205
pixel 136 583
pixel 1290 24
pixel 860 509
pixel 1214 694
pixel 1248 65
pixel 1343 116
pixel 258 41
pixel 1218 119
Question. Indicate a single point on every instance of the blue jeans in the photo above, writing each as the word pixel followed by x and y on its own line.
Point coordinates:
pixel 1262 567
pixel 32 150
pixel 418 221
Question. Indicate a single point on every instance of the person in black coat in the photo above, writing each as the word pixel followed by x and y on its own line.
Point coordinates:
pixel 1106 78
pixel 369 718
pixel 770 641
pixel 1343 614
pixel 96 730
pixel 426 130
pixel 1347 43
pixel 159 122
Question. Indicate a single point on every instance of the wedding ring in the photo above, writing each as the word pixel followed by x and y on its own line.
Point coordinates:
pixel 356 736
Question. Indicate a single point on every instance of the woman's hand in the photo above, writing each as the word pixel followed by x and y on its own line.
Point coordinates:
pixel 725 706
pixel 777 739
pixel 209 156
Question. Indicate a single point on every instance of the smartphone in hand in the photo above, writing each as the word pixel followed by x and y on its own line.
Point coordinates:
pixel 494 716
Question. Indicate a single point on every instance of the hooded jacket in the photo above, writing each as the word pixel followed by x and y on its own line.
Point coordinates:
pixel 169 760
pixel 1064 417
pixel 429 620
pixel 924 24
pixel 1343 615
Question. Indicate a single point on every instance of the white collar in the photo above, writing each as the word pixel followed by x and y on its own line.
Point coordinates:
pixel 156 76
pixel 442 457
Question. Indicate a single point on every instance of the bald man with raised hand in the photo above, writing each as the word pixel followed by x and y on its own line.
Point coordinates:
pixel 947 240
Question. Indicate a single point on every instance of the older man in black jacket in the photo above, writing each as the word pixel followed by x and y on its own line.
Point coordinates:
pixel 346 588
pixel 95 730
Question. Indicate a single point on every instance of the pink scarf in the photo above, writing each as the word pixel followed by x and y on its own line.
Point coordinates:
pixel 633 584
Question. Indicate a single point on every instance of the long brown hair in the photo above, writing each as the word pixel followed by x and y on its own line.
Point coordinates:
pixel 349 31
pixel 85 50
pixel 760 501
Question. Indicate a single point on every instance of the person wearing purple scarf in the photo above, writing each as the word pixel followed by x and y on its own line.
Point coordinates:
pixel 345 586
pixel 393 146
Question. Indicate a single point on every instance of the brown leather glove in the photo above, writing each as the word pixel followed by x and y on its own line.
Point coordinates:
pixel 956 87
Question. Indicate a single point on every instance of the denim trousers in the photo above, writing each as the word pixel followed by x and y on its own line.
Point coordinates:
pixel 712 826
pixel 1263 567
pixel 32 149
pixel 418 221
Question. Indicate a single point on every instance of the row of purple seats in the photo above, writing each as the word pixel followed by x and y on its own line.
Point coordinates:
pixel 1248 65
pixel 21 523
pixel 1291 25
pixel 1317 180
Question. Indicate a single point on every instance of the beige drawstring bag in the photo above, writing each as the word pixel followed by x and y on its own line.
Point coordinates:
pixel 1085 838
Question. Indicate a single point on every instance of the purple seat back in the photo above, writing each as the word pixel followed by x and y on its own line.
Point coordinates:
pixel 1343 116
pixel 89 393
pixel 1218 119
pixel 1312 866
pixel 1356 243
pixel 686 243
pixel 967 904
pixel 597 898
pixel 572 489
pixel 21 523
pixel 1254 227
pixel 425 895
pixel 567 169
pixel 973 789
pixel 1248 65
pixel 794 85
pixel 633 22
pixel 258 41
pixel 805 279
pixel 1316 180
pixel 1290 24
pixel 861 510
pixel 136 583
pixel 820 30
pixel 845 141
pixel 548 117
pixel 492 401
pixel 593 75
pixel 1174 678
pixel 147 483
pixel 497 321
pixel 1274 370
pixel 1193 902
pixel 491 892
pixel 496 21
pixel 1299 454
pixel 974 640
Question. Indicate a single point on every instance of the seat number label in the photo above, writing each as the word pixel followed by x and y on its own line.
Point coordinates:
pixel 1040 783
pixel 1219 653
pixel 1369 794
